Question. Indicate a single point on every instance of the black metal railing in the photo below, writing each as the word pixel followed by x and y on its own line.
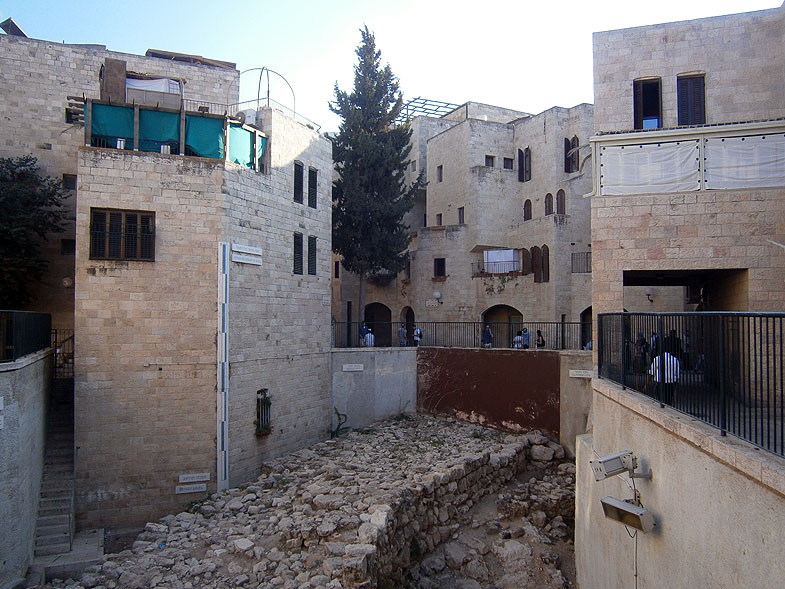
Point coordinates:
pixel 22 333
pixel 463 334
pixel 726 368
pixel 63 344
pixel 581 262
pixel 506 267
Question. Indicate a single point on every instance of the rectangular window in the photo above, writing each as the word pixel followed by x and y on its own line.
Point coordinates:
pixel 122 235
pixel 438 219
pixel 461 218
pixel 298 182
pixel 69 181
pixel 508 163
pixel 439 267
pixel 692 100
pixel 648 103
pixel 337 269
pixel 298 253
pixel 312 255
pixel 439 173
pixel 489 160
pixel 312 181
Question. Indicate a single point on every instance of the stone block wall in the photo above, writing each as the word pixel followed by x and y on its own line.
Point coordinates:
pixel 24 394
pixel 741 55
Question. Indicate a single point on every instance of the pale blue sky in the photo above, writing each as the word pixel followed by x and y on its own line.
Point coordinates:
pixel 525 55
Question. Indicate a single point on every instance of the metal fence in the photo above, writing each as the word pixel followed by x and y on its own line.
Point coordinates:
pixel 581 262
pixel 22 333
pixel 463 334
pixel 63 344
pixel 726 368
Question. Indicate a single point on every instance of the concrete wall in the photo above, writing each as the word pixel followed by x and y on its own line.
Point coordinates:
pixel 575 394
pixel 718 502
pixel 24 393
pixel 373 384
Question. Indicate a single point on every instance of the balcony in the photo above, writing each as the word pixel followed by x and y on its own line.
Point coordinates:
pixel 690 159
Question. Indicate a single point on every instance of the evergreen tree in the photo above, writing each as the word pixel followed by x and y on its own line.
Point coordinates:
pixel 371 153
pixel 30 209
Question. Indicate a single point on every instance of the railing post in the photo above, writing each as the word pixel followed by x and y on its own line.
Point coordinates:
pixel 721 376
pixel 600 345
pixel 623 351
pixel 660 378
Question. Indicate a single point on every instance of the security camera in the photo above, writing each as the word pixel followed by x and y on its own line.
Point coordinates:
pixel 609 466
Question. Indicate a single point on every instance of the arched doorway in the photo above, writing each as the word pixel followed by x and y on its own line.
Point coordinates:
pixel 379 318
pixel 407 318
pixel 586 326
pixel 505 321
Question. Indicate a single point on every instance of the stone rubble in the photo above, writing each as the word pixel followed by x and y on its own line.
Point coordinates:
pixel 395 505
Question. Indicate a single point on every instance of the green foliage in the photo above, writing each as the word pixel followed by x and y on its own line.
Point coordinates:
pixel 371 153
pixel 31 208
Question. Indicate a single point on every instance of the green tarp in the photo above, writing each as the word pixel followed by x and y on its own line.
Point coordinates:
pixel 157 127
pixel 113 121
pixel 241 146
pixel 260 146
pixel 204 136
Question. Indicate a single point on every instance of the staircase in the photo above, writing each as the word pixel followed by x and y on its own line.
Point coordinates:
pixel 55 525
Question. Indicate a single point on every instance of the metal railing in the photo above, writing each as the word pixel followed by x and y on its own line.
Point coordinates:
pixel 506 267
pixel 22 333
pixel 581 262
pixel 726 369
pixel 464 334
pixel 63 344
pixel 233 109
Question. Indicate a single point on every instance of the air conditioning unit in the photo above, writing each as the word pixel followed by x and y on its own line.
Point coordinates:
pixel 166 148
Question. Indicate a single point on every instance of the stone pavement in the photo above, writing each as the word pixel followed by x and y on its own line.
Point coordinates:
pixel 414 501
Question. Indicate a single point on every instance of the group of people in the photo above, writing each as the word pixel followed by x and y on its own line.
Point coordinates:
pixel 521 341
pixel 368 340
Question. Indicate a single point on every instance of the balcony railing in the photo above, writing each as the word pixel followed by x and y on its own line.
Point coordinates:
pixel 464 334
pixel 581 262
pixel 485 268
pixel 725 369
pixel 22 333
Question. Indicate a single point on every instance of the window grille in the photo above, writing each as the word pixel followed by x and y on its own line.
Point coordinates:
pixel 122 235
pixel 312 255
pixel 262 422
pixel 508 163
pixel 312 182
pixel 691 97
pixel 298 182
pixel 298 253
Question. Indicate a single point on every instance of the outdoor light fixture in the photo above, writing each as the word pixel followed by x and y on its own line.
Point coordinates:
pixel 438 296
pixel 628 513
pixel 648 296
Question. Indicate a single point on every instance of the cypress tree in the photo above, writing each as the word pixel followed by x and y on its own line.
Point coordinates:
pixel 371 154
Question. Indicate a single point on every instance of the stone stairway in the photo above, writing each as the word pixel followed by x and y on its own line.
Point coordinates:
pixel 55 525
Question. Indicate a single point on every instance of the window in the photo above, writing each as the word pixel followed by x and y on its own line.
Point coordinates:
pixel 575 146
pixel 337 269
pixel 526 261
pixel 691 96
pixel 461 217
pixel 489 160
pixel 69 181
pixel 67 247
pixel 508 163
pixel 647 103
pixel 560 204
pixel 312 180
pixel 546 272
pixel 439 173
pixel 298 182
pixel 527 210
pixel 312 255
pixel 524 165
pixel 439 267
pixel 425 220
pixel 571 154
pixel 298 253
pixel 548 204
pixel 438 219
pixel 122 235
pixel 500 261
pixel 536 256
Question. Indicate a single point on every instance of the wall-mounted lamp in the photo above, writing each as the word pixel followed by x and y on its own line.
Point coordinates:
pixel 630 512
pixel 438 296
pixel 648 296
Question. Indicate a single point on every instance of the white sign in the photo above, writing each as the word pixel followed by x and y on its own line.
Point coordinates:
pixel 247 249
pixel 181 489
pixel 431 303
pixel 352 367
pixel 243 259
pixel 325 300
pixel 194 478
pixel 245 254
pixel 581 374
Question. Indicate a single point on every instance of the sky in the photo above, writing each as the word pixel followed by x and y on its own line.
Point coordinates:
pixel 525 55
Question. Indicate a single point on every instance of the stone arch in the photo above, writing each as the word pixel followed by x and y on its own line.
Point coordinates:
pixel 505 321
pixel 379 318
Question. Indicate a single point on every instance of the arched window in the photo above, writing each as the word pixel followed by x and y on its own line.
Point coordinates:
pixel 571 154
pixel 524 165
pixel 546 271
pixel 575 144
pixel 527 210
pixel 560 205
pixel 537 263
pixel 548 204
pixel 526 262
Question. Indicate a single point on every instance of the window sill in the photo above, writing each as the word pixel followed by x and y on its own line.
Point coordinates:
pixel 439 278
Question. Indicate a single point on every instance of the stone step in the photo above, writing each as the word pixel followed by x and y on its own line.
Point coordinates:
pixel 54 520
pixel 62 528
pixel 56 538
pixel 60 467
pixel 61 548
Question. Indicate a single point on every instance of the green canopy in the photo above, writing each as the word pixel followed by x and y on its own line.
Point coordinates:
pixel 157 127
pixel 204 136
pixel 241 143
pixel 112 121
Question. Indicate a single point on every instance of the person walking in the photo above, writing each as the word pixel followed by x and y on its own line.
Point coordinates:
pixel 487 337
pixel 526 338
pixel 540 341
pixel 417 335
pixel 402 336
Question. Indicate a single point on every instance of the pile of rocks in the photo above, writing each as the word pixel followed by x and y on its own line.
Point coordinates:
pixel 359 511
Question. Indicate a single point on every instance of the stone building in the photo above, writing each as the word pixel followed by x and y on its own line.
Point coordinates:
pixel 501 232
pixel 195 273
pixel 689 205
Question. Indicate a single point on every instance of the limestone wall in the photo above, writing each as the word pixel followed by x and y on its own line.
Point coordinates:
pixel 24 393
pixel 695 471
pixel 741 55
